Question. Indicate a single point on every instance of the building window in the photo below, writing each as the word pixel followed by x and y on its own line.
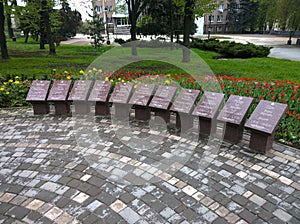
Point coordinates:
pixel 211 18
pixel 220 18
pixel 221 8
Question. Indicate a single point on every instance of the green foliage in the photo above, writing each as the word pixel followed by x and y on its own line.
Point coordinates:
pixel 120 41
pixel 95 30
pixel 230 49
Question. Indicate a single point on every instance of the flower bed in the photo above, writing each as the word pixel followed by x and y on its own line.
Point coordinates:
pixel 13 92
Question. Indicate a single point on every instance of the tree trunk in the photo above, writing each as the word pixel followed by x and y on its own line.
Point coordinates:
pixel 26 33
pixel 47 27
pixel 3 45
pixel 188 22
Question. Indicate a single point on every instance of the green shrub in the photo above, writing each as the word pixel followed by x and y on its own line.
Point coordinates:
pixel 230 49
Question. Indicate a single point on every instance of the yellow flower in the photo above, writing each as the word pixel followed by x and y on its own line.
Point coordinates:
pixel 17 77
pixel 168 75
pixel 1 89
pixel 106 79
pixel 17 82
pixel 111 80
pixel 119 79
pixel 135 86
pixel 10 80
pixel 66 72
pixel 123 80
pixel 68 77
pixel 94 69
pixel 167 82
pixel 90 71
pixel 81 72
pixel 5 83
pixel 100 70
pixel 7 93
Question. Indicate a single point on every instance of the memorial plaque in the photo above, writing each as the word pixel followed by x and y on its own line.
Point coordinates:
pixel 80 90
pixel 100 91
pixel 235 109
pixel 262 124
pixel 207 110
pixel 59 90
pixel 121 92
pixel 183 106
pixel 142 94
pixel 266 116
pixel 163 97
pixel 37 95
pixel 234 114
pixel 140 99
pixel 99 94
pixel 58 94
pixel 38 90
pixel 209 105
pixel 79 95
pixel 161 102
pixel 120 97
pixel 185 101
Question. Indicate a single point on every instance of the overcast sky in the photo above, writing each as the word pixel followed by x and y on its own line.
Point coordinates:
pixel 81 6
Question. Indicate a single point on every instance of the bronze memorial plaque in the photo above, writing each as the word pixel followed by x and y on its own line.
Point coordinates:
pixel 121 92
pixel 59 90
pixel 209 105
pixel 234 115
pixel 80 90
pixel 58 94
pixel 207 110
pixel 37 96
pixel 262 124
pixel 100 91
pixel 140 99
pixel 38 90
pixel 120 97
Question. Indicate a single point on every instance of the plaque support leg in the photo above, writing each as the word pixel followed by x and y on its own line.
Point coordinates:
pixel 164 114
pixel 40 108
pixel 206 127
pixel 101 109
pixel 62 108
pixel 122 111
pixel 261 142
pixel 142 113
pixel 184 121
pixel 233 133
pixel 82 107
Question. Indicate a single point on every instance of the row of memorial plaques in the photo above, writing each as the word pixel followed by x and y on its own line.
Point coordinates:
pixel 262 123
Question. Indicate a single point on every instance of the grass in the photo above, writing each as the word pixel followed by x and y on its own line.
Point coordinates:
pixel 29 60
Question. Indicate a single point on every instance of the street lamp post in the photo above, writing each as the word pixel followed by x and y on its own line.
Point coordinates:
pixel 107 27
pixel 209 26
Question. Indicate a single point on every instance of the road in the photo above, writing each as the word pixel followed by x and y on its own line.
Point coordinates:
pixel 279 47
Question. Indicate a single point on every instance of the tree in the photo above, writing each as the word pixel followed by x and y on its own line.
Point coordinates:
pixel 242 16
pixel 3 45
pixel 135 8
pixel 8 9
pixel 95 28
pixel 191 10
pixel 288 14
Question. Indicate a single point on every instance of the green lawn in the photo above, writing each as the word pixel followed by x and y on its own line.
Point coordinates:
pixel 28 60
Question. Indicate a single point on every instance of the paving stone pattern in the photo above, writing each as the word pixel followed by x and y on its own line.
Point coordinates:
pixel 46 178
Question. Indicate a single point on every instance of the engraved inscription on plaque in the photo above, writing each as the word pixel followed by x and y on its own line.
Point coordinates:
pixel 163 97
pixel 59 90
pixel 142 94
pixel 100 91
pixel 121 92
pixel 38 90
pixel 185 101
pixel 209 105
pixel 235 109
pixel 80 90
pixel 266 116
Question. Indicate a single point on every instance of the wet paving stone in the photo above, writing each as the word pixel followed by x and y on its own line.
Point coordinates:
pixel 49 176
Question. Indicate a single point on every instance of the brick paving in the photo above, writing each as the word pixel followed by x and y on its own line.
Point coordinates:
pixel 53 173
